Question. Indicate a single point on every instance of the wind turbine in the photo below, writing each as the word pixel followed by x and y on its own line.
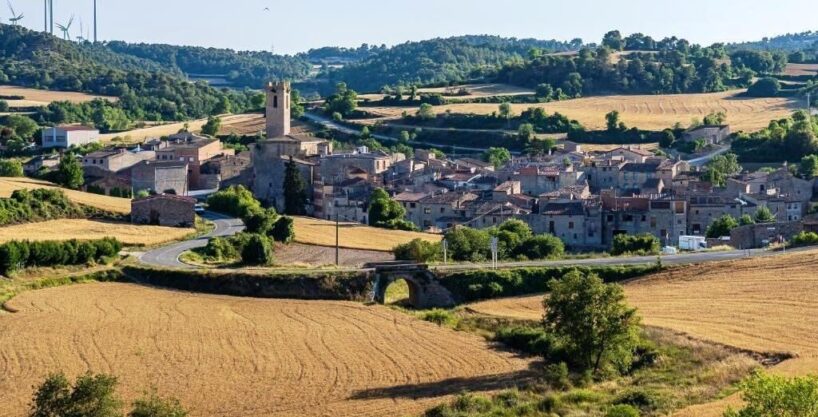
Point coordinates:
pixel 65 28
pixel 15 18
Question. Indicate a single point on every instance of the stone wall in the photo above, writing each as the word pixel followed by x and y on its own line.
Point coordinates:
pixel 164 210
pixel 760 235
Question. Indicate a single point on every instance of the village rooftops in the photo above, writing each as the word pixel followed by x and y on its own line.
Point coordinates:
pixel 454 197
pixel 471 162
pixel 641 167
pixel 409 197
pixel 167 197
pixel 568 208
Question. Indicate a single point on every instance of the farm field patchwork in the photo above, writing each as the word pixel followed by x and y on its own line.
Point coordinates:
pixel 353 235
pixel 801 69
pixel 650 112
pixel 102 202
pixel 235 357
pixel 66 229
pixel 35 97
pixel 764 305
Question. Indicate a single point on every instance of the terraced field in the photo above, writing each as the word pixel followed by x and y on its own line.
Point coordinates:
pixel 765 305
pixel 112 204
pixel 225 356
pixel 34 97
pixel 652 112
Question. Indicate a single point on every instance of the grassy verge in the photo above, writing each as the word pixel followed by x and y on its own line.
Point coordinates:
pixel 39 278
pixel 681 372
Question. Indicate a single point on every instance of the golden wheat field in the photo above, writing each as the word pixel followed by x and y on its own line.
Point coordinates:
pixel 66 229
pixel 35 97
pixel 236 357
pixel 353 235
pixel 765 305
pixel 650 112
pixel 102 202
pixel 157 131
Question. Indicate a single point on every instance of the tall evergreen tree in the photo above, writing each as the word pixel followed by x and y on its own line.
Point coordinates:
pixel 70 172
pixel 295 190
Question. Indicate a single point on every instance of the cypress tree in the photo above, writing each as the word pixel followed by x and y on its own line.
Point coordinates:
pixel 295 190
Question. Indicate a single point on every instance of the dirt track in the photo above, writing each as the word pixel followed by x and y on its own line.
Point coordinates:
pixel 225 356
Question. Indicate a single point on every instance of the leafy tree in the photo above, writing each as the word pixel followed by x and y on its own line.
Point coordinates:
pixel 545 91
pixel 767 395
pixel 526 132
pixel 745 220
pixel 11 168
pixel 154 406
pixel 467 244
pixel 90 396
pixel 418 250
pixel 808 167
pixel 721 167
pixel 593 321
pixel 505 111
pixel 497 156
pixel 23 126
pixel 645 244
pixel 612 121
pixel 236 201
pixel 296 104
pixel 257 251
pixel 667 139
pixel 4 106
pixel 764 215
pixel 259 220
pixel 540 147
pixel 343 102
pixel 426 112
pixel 283 230
pixel 717 118
pixel 613 40
pixel 722 226
pixel 295 190
pixel 765 87
pixel 211 128
pixel 69 173
pixel 387 213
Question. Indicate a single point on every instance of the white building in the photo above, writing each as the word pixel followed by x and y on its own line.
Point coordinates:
pixel 68 136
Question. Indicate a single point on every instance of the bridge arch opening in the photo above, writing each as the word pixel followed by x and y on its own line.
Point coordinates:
pixel 401 291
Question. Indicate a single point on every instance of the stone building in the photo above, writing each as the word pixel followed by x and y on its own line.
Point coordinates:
pixel 164 210
pixel 195 151
pixel 160 177
pixel 117 159
pixel 711 134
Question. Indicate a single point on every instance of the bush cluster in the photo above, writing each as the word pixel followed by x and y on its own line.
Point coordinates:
pixel 515 241
pixel 419 250
pixel 645 244
pixel 37 205
pixel 16 255
pixel 484 284
pixel 239 202
pixel 805 239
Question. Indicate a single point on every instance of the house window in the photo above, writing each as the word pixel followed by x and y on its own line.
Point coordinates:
pixel 571 226
pixel 412 205
pixel 427 211
pixel 442 210
pixel 610 218
pixel 275 102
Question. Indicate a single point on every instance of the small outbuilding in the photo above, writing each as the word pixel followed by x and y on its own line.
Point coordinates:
pixel 164 210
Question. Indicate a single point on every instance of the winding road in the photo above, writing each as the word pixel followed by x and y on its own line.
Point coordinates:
pixel 168 256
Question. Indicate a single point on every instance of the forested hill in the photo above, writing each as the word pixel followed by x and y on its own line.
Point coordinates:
pixel 439 60
pixel 145 89
pixel 239 68
pixel 790 42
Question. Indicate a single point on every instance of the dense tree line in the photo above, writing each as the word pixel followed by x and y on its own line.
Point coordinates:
pixel 439 61
pixel 25 206
pixel 681 68
pixel 241 69
pixel 145 90
pixel 16 255
pixel 788 139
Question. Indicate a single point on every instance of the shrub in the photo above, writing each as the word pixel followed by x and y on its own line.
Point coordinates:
pixel 258 220
pixel 805 239
pixel 257 251
pixel 645 244
pixel 283 230
pixel 11 168
pixel 644 399
pixel 440 317
pixel 418 250
pixel 235 201
pixel 220 248
pixel 772 395
pixel 541 247
pixel 622 410
pixel 470 245
pixel 38 205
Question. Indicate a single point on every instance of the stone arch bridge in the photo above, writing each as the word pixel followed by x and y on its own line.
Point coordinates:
pixel 425 289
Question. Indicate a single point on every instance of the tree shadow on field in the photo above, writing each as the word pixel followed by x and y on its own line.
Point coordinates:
pixel 451 386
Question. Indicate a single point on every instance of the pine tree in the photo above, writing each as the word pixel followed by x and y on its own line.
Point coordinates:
pixel 295 190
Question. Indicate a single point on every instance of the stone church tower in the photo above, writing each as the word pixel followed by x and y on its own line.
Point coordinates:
pixel 278 109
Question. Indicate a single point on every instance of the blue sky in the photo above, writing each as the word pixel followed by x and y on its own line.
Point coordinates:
pixel 297 25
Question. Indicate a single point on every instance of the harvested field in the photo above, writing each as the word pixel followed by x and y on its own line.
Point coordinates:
pixel 36 98
pixel 483 90
pixel 226 356
pixel 254 124
pixel 764 305
pixel 649 112
pixel 798 70
pixel 354 235
pixel 102 202
pixel 139 135
pixel 298 254
pixel 66 229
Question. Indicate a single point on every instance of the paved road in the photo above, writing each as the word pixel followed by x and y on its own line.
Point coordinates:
pixel 681 259
pixel 703 160
pixel 168 256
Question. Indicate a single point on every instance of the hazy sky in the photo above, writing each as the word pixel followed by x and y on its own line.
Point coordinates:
pixel 297 25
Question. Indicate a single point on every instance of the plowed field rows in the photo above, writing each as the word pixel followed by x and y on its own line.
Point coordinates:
pixel 225 356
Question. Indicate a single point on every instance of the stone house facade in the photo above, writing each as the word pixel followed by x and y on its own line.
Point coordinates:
pixel 164 210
